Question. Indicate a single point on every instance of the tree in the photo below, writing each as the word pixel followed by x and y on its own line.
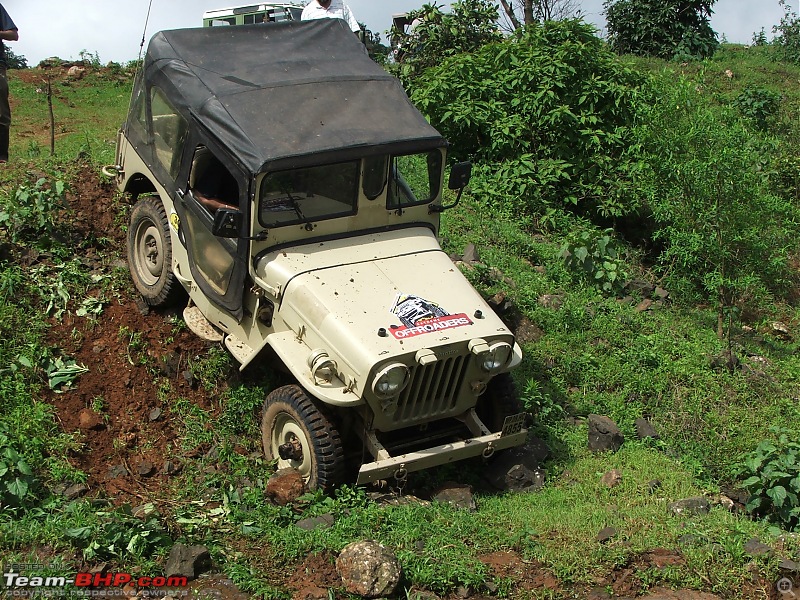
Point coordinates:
pixel 524 12
pixel 434 35
pixel 661 28
pixel 376 49
pixel 15 61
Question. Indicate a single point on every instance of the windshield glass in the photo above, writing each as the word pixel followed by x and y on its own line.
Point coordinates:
pixel 309 194
pixel 414 179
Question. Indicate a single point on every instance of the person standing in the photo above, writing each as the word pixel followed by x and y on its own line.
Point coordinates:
pixel 8 33
pixel 330 9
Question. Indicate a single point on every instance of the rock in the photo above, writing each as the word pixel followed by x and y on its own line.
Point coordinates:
pixel 789 567
pixel 554 301
pixel 725 360
pixel 76 72
pixel 781 331
pixel 643 305
pixel 155 414
pixel 644 429
pixel 89 420
pixel 115 471
pixel 170 468
pixel 285 486
pixel 457 495
pixel 689 506
pixel 604 435
pixel 470 254
pixel 368 569
pixel 187 561
pixel 661 293
pixel 612 478
pixel 518 469
pixel 653 485
pixel 755 547
pixel 145 469
pixel 75 491
pixel 321 522
pixel 606 534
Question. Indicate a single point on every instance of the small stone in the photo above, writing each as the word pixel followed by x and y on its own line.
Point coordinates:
pixel 644 429
pixel 187 561
pixel 155 414
pixel 470 254
pixel 145 468
pixel 75 491
pixel 604 435
pixel 789 566
pixel 456 495
pixel 116 471
pixel 689 506
pixel 643 305
pixel 285 486
pixel 322 522
pixel 612 478
pixel 755 547
pixel 553 301
pixel 606 534
pixel 89 420
pixel 653 486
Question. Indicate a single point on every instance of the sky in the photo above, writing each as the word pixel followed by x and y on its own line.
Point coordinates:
pixel 113 30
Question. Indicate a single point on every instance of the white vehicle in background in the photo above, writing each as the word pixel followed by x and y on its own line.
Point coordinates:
pixel 253 13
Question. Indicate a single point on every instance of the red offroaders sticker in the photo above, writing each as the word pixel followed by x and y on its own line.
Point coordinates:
pixel 422 316
pixel 431 325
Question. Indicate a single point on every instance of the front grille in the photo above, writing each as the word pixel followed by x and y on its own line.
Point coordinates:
pixel 432 391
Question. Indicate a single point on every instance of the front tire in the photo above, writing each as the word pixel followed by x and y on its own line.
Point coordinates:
pixel 298 435
pixel 150 253
pixel 500 400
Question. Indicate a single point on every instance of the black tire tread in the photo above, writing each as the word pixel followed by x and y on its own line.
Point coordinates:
pixel 168 290
pixel 328 469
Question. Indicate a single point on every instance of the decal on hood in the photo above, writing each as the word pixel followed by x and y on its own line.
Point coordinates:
pixel 421 316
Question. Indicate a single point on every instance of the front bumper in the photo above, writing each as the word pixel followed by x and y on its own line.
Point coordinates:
pixel 397 467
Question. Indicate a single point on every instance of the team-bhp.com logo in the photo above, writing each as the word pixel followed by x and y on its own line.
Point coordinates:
pixel 15 584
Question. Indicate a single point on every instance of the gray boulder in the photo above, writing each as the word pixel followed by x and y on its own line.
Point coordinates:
pixel 604 435
pixel 368 569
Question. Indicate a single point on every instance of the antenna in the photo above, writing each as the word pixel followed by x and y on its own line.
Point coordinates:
pixel 139 61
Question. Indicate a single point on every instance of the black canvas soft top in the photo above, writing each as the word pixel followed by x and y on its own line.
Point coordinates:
pixel 282 94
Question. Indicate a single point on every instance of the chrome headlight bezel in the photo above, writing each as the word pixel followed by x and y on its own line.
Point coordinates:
pixel 496 358
pixel 390 380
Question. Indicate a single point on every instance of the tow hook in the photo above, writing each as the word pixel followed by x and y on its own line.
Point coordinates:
pixel 488 452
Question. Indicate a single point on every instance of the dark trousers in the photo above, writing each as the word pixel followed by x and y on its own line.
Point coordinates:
pixel 5 115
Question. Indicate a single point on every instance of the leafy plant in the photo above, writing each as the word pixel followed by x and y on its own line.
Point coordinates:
pixel 758 104
pixel 666 29
pixel 16 477
pixel 33 213
pixel 598 255
pixel 787 38
pixel 119 535
pixel 547 113
pixel 772 474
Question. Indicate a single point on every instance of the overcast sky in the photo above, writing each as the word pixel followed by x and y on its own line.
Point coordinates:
pixel 113 29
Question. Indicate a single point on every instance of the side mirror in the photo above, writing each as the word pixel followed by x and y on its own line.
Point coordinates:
pixel 227 223
pixel 460 176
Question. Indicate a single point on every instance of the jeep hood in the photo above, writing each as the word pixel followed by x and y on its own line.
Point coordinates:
pixel 375 296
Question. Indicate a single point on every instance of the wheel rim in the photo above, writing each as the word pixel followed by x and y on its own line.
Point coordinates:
pixel 287 430
pixel 149 252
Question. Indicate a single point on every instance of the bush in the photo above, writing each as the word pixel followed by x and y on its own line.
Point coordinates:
pixel 758 104
pixel 664 29
pixel 548 113
pixel 772 474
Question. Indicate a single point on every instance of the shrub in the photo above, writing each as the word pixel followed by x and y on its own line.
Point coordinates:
pixel 662 28
pixel 548 112
pixel 772 474
pixel 758 104
pixel 597 255
pixel 33 213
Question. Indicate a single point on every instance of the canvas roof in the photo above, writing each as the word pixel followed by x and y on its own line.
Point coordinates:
pixel 281 94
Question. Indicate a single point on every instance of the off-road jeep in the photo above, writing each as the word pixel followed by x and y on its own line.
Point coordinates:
pixel 285 181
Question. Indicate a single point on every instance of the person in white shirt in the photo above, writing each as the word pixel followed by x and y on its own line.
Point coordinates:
pixel 330 9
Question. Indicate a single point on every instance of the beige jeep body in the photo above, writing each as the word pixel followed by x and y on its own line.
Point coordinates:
pixel 327 262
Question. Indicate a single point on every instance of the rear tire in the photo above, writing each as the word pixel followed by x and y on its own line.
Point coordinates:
pixel 290 417
pixel 150 253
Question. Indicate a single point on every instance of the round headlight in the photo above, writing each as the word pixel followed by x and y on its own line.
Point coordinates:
pixel 497 357
pixel 390 380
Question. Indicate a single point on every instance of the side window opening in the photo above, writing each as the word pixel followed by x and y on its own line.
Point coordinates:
pixel 212 184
